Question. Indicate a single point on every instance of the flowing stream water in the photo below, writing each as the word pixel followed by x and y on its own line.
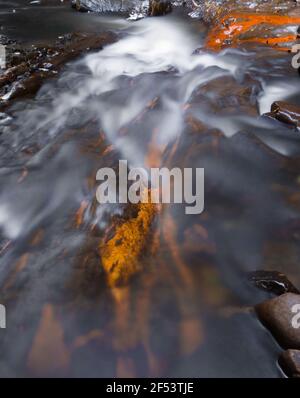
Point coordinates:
pixel 156 97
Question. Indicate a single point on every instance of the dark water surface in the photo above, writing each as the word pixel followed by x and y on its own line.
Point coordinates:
pixel 188 311
pixel 46 21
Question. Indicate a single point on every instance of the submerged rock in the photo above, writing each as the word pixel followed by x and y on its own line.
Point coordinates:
pixel 289 361
pixel 212 10
pixel 280 316
pixel 272 281
pixel 236 23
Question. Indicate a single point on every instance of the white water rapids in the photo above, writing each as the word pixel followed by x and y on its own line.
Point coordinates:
pixel 159 59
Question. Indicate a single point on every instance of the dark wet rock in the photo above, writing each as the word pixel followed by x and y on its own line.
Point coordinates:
pixel 289 361
pixel 139 7
pixel 272 281
pixel 278 315
pixel 286 113
pixel 159 7
pixel 39 63
pixel 79 6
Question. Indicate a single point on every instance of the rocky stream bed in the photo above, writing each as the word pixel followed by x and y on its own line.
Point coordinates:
pixel 130 290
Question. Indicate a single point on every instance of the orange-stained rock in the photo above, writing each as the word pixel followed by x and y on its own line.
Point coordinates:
pixel 280 317
pixel 159 7
pixel 236 28
pixel 121 254
pixel 213 10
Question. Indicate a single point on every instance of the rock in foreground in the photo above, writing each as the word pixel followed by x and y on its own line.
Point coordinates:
pixel 289 361
pixel 279 315
pixel 286 113
pixel 273 282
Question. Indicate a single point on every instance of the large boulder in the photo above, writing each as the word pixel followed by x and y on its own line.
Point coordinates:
pixel 235 23
pixel 145 7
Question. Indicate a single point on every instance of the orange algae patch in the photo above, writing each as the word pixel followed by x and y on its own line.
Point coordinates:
pixel 230 28
pixel 121 254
